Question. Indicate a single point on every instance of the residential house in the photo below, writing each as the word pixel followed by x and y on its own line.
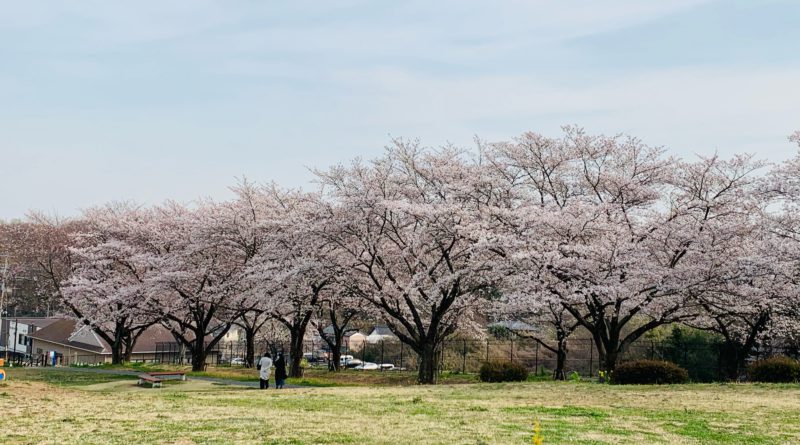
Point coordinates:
pixel 15 335
pixel 353 339
pixel 72 344
pixel 379 334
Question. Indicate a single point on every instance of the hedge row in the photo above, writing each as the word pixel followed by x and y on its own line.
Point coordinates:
pixel 774 370
pixel 655 372
pixel 649 372
pixel 503 372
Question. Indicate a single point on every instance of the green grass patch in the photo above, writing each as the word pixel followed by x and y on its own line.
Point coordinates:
pixel 501 413
pixel 60 377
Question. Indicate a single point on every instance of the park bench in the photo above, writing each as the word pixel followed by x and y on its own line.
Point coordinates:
pixel 155 378
pixel 154 382
pixel 169 375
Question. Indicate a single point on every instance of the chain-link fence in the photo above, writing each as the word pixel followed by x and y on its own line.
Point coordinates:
pixel 704 361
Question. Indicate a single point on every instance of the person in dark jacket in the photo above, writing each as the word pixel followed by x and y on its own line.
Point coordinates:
pixel 280 371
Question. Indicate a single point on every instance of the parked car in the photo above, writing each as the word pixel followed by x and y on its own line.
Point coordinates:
pixel 238 361
pixel 367 366
pixel 353 363
pixel 386 366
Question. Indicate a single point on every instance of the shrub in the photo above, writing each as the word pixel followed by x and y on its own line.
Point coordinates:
pixel 774 370
pixel 503 372
pixel 649 372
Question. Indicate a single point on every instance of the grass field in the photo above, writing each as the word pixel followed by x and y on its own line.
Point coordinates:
pixel 318 376
pixel 77 407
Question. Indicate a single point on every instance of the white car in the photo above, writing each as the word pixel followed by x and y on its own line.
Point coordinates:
pixel 353 363
pixel 238 361
pixel 367 366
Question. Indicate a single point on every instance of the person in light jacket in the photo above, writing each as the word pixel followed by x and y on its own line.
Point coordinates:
pixel 264 369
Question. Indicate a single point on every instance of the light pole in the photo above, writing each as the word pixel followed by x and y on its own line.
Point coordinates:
pixel 3 302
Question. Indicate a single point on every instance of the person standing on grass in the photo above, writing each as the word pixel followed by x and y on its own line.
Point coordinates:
pixel 264 369
pixel 280 371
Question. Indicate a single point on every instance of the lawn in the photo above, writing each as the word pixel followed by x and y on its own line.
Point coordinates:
pixel 348 377
pixel 317 376
pixel 46 409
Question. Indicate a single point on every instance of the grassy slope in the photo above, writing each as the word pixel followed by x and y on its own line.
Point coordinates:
pixel 461 414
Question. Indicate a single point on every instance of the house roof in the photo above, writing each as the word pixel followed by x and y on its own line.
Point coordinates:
pixel 383 331
pixel 66 332
pixel 62 332
pixel 150 337
pixel 329 331
pixel 39 322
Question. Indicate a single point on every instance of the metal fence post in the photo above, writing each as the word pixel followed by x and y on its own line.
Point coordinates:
pixel 512 349
pixel 364 352
pixel 382 341
pixel 401 355
pixel 487 350
pixel 591 359
pixel 536 359
pixel 464 358
pixel 441 356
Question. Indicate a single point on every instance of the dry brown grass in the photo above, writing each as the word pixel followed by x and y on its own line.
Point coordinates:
pixel 200 412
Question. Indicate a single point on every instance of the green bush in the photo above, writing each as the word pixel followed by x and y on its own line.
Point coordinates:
pixel 774 370
pixel 503 372
pixel 649 372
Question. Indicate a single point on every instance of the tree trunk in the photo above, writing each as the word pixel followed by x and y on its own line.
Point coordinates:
pixel 198 351
pixel 117 345
pixel 198 358
pixel 116 354
pixel 607 350
pixel 561 360
pixel 181 353
pixel 128 342
pixel 428 364
pixel 608 360
pixel 296 352
pixel 250 346
pixel 336 353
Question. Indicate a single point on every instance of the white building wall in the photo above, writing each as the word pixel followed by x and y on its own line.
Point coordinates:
pixel 17 337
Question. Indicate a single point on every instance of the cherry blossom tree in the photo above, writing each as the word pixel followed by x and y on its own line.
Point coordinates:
pixel 253 319
pixel 294 270
pixel 39 248
pixel 333 316
pixel 546 312
pixel 754 304
pixel 197 269
pixel 626 235
pixel 106 288
pixel 247 232
pixel 408 228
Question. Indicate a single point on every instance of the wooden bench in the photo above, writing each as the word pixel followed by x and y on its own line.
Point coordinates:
pixel 168 375
pixel 154 382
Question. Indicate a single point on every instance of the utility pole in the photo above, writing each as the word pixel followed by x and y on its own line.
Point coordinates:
pixel 3 302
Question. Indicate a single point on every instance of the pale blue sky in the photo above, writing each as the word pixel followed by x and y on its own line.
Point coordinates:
pixel 147 101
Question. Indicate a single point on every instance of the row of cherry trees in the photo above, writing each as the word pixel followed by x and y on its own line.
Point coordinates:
pixel 601 233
